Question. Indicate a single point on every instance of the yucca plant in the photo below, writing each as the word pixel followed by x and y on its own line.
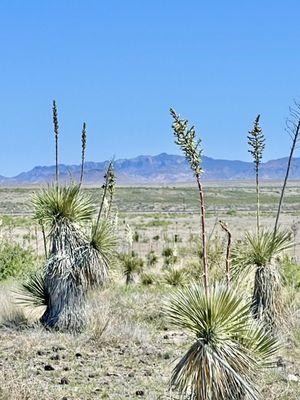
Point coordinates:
pixel 76 260
pixel 229 349
pixel 131 266
pixel 259 252
pixel 169 257
pixel 175 277
pixel 152 258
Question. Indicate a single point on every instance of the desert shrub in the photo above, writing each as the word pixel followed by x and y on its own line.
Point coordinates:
pixel 147 278
pixel 169 257
pixel 290 273
pixel 15 261
pixel 175 277
pixel 131 265
pixel 152 258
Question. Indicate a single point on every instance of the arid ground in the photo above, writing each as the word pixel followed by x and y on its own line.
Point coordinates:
pixel 128 348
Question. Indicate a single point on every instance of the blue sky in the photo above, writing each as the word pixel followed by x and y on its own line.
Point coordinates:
pixel 119 65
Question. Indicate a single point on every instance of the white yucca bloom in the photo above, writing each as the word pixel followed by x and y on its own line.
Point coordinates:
pixel 129 235
pixel 105 207
pixel 116 220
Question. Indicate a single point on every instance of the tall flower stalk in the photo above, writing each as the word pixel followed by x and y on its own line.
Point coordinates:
pixel 185 138
pixel 108 190
pixel 256 142
pixel 56 133
pixel 83 148
pixel 293 129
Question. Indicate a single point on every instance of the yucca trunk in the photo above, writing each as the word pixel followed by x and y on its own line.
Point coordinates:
pixel 63 281
pixel 267 296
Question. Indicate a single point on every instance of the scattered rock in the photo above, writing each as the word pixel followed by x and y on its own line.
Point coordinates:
pixel 140 393
pixel 40 353
pixel 55 357
pixel 166 356
pixel 293 378
pixel 148 373
pixel 48 368
pixel 57 348
pixel 64 381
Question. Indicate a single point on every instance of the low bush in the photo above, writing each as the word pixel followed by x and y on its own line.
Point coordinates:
pixel 15 261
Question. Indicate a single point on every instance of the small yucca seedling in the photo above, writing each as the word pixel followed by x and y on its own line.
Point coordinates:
pixel 256 141
pixel 169 257
pixel 147 279
pixel 152 259
pixel 175 277
pixel 131 265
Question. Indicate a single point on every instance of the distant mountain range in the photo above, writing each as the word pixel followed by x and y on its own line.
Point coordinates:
pixel 161 169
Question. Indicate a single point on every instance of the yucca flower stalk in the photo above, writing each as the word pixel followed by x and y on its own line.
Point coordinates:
pixel 83 148
pixel 229 349
pixel 56 133
pixel 293 129
pixel 256 141
pixel 185 138
pixel 108 190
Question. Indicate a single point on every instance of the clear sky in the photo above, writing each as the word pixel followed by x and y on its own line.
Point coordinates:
pixel 120 64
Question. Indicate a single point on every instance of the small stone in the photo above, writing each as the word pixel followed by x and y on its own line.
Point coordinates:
pixel 66 368
pixel 166 336
pixel 148 373
pixel 131 375
pixel 166 356
pixel 57 348
pixel 78 355
pixel 48 368
pixel 292 378
pixel 140 393
pixel 55 357
pixel 40 353
pixel 64 381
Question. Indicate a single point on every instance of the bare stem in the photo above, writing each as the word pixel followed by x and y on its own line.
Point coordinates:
pixel 228 251
pixel 44 240
pixel 203 234
pixel 83 147
pixel 295 139
pixel 257 203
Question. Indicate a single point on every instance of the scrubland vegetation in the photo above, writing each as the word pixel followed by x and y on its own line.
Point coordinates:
pixel 155 293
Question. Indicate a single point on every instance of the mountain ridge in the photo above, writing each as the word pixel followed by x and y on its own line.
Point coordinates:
pixel 159 169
